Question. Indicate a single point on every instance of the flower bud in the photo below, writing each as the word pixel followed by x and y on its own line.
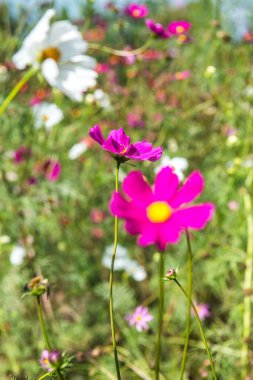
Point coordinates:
pixel 37 286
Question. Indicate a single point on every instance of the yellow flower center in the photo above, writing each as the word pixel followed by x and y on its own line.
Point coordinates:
pixel 123 151
pixel 51 52
pixel 182 38
pixel 159 212
pixel 179 29
pixel 138 318
pixel 136 12
pixel 44 118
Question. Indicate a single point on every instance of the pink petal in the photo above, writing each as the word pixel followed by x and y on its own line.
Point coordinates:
pixel 195 217
pixel 119 136
pixel 148 235
pixel 169 232
pixel 96 134
pixel 189 191
pixel 166 184
pixel 137 188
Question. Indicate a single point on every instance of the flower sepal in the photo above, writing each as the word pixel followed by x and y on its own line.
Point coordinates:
pixel 171 274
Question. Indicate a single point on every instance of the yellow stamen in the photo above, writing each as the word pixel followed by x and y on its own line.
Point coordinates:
pixel 138 318
pixel 136 12
pixel 158 212
pixel 51 52
pixel 44 118
pixel 180 29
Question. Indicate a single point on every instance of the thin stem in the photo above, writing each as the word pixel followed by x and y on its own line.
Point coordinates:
pixel 160 316
pixel 120 53
pixel 16 89
pixel 45 375
pixel 189 292
pixel 247 286
pixel 116 229
pixel 201 330
pixel 44 332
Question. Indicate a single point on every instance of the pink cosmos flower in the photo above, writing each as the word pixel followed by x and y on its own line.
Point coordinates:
pixel 120 146
pixel 52 170
pixel 137 11
pixel 157 29
pixel 160 215
pixel 181 75
pixel 21 154
pixel 140 318
pixel 178 27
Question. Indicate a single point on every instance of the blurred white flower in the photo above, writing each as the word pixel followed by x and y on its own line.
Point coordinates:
pixel 179 165
pixel 100 98
pixel 57 50
pixel 78 149
pixel 4 239
pixel 17 255
pixel 124 263
pixel 47 114
pixel 210 71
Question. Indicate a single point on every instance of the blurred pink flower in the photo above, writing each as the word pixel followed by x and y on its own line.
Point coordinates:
pixel 97 216
pixel 160 215
pixel 203 310
pixel 157 29
pixel 233 205
pixel 178 27
pixel 21 154
pixel 102 68
pixel 140 318
pixel 137 11
pixel 181 75
pixel 135 120
pixel 120 146
pixel 50 359
pixel 52 170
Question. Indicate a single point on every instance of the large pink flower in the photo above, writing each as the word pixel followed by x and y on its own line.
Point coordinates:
pixel 120 146
pixel 161 214
pixel 137 10
pixel 178 27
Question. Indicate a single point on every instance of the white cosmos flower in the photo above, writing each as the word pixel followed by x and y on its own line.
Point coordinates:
pixel 100 98
pixel 57 50
pixel 124 263
pixel 17 255
pixel 78 149
pixel 47 114
pixel 179 165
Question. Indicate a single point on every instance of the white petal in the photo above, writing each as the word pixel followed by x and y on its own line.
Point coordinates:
pixel 179 163
pixel 17 255
pixel 47 114
pixel 34 42
pixel 50 71
pixel 77 150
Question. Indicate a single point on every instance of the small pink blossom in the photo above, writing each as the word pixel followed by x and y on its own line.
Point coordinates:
pixel 159 215
pixel 178 27
pixel 203 310
pixel 97 216
pixel 102 68
pixel 52 170
pixel 157 29
pixel 137 11
pixel 181 75
pixel 21 154
pixel 120 146
pixel 140 318
pixel 50 360
pixel 135 120
pixel 233 205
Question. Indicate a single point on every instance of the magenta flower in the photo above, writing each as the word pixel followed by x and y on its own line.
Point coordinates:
pixel 181 75
pixel 50 359
pixel 52 170
pixel 157 29
pixel 178 27
pixel 21 154
pixel 137 11
pixel 119 145
pixel 135 120
pixel 160 215
pixel 140 318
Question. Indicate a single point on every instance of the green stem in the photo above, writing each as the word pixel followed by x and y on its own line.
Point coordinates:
pixel 44 332
pixel 116 230
pixel 189 292
pixel 201 330
pixel 46 375
pixel 160 316
pixel 16 89
pixel 120 53
pixel 247 286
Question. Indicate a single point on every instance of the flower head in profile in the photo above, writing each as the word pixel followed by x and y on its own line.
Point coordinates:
pixel 50 360
pixel 57 50
pixel 140 318
pixel 120 146
pixel 159 215
pixel 52 170
pixel 157 29
pixel 179 27
pixel 203 310
pixel 137 11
